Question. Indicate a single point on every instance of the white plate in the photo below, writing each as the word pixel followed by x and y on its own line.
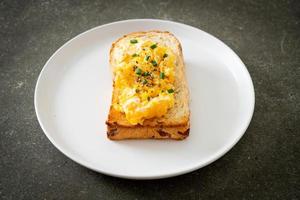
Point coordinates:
pixel 73 95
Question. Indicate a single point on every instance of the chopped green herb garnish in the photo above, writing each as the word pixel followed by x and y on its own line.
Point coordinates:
pixel 146 74
pixel 162 75
pixel 153 46
pixel 165 55
pixel 147 58
pixel 154 63
pixel 133 41
pixel 170 91
pixel 135 55
pixel 145 81
pixel 138 71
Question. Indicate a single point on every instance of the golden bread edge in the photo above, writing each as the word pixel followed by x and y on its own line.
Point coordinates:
pixel 116 132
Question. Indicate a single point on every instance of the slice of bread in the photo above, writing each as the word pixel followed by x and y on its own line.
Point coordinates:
pixel 175 123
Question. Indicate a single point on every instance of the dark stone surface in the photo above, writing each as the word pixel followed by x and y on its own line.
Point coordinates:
pixel 263 165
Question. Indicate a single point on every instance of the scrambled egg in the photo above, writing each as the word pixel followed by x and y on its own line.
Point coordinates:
pixel 145 80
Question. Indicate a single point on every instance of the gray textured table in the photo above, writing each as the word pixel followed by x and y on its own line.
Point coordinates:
pixel 263 165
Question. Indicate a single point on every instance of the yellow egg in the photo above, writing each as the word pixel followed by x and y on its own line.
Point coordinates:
pixel 144 77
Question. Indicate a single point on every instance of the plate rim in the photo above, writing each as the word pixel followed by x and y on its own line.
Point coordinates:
pixel 186 169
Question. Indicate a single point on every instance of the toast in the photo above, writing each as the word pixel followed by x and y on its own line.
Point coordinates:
pixel 175 123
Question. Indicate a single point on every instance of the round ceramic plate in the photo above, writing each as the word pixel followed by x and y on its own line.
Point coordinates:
pixel 73 95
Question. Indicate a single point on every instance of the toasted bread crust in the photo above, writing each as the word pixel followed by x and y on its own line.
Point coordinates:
pixel 172 125
pixel 116 132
